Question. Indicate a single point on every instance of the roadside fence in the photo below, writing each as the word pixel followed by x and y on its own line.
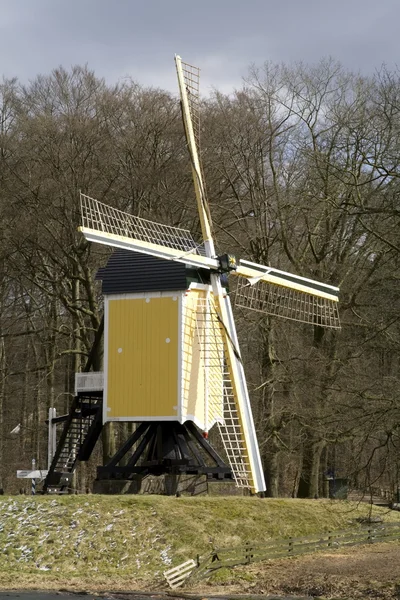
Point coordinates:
pixel 250 552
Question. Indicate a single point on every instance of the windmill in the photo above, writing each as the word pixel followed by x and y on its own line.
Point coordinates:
pixel 191 375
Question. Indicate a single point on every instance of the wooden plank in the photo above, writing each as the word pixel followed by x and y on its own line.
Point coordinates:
pixel 177 575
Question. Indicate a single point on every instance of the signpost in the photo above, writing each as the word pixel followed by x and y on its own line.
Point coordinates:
pixel 40 474
pixel 37 474
pixel 33 492
pixel 33 474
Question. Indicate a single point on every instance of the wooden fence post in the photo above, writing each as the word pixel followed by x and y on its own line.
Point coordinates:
pixel 248 555
pixel 290 549
pixel 329 539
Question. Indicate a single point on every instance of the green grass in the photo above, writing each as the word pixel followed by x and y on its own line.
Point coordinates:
pixel 126 542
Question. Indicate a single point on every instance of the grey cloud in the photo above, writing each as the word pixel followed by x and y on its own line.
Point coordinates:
pixel 137 38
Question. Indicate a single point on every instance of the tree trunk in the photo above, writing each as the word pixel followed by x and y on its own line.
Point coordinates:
pixel 324 481
pixel 271 472
pixel 309 478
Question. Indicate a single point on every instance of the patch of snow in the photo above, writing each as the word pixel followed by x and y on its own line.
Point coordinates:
pixel 164 556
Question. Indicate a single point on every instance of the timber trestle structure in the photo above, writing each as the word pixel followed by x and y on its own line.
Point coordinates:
pixel 82 427
pixel 160 447
pixel 155 448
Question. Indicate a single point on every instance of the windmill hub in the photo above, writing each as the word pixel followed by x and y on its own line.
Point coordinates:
pixel 227 263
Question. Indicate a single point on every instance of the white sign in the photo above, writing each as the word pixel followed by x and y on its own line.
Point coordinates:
pixel 31 474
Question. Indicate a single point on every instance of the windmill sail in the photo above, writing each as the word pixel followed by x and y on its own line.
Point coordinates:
pixel 191 79
pixel 238 432
pixel 221 407
pixel 281 294
pixel 243 455
pixel 107 225
pixel 288 303
pixel 189 84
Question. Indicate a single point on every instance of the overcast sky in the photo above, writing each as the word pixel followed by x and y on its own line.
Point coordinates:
pixel 138 38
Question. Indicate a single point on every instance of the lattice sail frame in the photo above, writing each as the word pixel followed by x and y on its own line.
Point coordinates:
pixel 189 86
pixel 279 301
pixel 191 76
pixel 219 390
pixel 107 219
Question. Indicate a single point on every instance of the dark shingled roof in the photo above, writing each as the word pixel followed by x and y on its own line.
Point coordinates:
pixel 130 272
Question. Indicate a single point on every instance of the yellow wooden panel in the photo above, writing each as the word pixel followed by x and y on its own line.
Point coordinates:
pixel 202 363
pixel 142 369
pixel 193 374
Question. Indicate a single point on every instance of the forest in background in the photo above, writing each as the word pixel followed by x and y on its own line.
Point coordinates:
pixel 302 166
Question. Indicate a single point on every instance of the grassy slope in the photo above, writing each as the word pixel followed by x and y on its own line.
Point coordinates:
pixel 126 542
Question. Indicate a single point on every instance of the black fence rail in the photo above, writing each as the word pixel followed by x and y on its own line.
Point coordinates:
pixel 249 552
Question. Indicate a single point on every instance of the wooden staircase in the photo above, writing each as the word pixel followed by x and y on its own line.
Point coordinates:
pixel 82 427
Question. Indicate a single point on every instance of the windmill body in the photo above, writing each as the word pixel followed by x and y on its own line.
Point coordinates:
pixel 165 361
pixel 163 354
pixel 172 360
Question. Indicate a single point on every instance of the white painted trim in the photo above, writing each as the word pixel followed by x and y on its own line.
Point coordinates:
pixel 105 358
pixel 179 399
pixel 195 420
pixel 200 286
pixel 206 358
pixel 298 277
pixel 199 424
pixel 141 295
pixel 120 241
pixel 254 276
